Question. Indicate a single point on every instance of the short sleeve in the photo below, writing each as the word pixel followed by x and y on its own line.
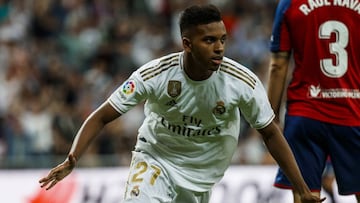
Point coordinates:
pixel 130 93
pixel 256 107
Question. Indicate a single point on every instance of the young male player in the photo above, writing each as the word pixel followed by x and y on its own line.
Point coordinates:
pixel 194 100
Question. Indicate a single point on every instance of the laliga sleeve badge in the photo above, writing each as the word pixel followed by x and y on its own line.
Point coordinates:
pixel 128 87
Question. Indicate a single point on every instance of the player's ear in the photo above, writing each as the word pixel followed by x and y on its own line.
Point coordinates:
pixel 186 44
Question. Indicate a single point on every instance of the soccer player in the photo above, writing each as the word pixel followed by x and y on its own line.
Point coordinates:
pixel 323 97
pixel 193 103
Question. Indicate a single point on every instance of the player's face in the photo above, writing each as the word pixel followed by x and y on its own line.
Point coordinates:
pixel 207 45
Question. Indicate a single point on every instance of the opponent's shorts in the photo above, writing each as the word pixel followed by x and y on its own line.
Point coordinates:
pixel 148 182
pixel 312 141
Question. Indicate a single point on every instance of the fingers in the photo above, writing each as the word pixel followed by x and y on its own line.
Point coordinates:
pixel 52 178
pixel 46 181
pixel 320 200
pixel 315 199
pixel 52 184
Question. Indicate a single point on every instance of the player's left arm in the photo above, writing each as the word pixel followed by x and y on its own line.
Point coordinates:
pixel 281 152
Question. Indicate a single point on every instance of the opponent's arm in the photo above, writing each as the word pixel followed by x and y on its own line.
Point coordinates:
pixel 280 150
pixel 279 63
pixel 88 131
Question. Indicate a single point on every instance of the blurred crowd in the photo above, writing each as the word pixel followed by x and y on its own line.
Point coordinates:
pixel 59 59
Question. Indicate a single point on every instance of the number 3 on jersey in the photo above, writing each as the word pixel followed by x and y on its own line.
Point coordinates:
pixel 142 169
pixel 337 48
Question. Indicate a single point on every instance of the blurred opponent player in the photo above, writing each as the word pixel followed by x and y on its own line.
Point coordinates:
pixel 323 97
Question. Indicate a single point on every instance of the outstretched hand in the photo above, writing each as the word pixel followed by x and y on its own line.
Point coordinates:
pixel 310 198
pixel 58 173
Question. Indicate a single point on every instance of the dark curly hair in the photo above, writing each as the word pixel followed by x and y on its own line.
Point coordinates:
pixel 198 15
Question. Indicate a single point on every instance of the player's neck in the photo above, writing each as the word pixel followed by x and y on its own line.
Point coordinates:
pixel 194 70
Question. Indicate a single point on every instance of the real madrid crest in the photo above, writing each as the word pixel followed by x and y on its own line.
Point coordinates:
pixel 174 88
pixel 219 108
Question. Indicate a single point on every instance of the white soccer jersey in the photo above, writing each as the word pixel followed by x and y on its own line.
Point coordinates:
pixel 192 127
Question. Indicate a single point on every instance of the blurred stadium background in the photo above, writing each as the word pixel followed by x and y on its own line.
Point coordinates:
pixel 59 59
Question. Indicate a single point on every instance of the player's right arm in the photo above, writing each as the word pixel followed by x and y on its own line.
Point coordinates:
pixel 88 131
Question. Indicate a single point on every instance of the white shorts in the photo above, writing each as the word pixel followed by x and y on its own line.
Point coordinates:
pixel 148 182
